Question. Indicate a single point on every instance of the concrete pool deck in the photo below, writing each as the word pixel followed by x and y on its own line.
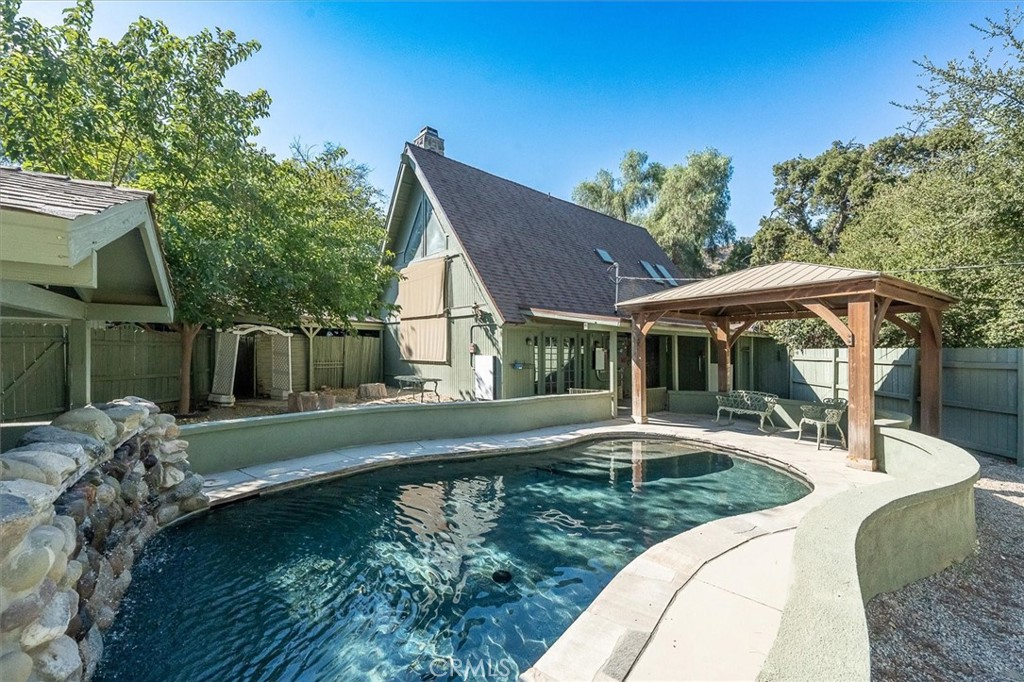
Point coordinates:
pixel 733 573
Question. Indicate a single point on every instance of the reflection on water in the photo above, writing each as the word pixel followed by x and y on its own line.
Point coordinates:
pixel 384 575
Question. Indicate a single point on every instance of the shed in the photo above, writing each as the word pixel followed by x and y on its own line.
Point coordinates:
pixel 77 251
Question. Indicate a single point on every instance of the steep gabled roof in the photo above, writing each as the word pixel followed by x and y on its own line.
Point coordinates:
pixel 59 195
pixel 533 250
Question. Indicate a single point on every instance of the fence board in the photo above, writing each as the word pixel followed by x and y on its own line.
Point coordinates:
pixel 982 390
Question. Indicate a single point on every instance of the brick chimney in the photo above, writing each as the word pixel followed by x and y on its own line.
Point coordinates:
pixel 429 140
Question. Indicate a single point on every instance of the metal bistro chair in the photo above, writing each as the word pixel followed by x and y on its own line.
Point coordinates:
pixel 824 414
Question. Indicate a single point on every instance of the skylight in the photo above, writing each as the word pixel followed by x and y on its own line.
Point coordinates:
pixel 664 273
pixel 605 256
pixel 652 272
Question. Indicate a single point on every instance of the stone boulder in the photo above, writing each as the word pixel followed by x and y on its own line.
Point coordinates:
pixel 72 450
pixel 98 450
pixel 90 421
pixel 59 661
pixel 16 666
pixel 129 416
pixel 16 519
pixel 39 496
pixel 55 468
pixel 52 622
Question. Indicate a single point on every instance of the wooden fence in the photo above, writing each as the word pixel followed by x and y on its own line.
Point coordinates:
pixel 127 360
pixel 337 361
pixel 982 390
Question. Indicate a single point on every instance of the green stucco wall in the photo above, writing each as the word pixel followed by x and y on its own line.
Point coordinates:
pixel 870 540
pixel 221 446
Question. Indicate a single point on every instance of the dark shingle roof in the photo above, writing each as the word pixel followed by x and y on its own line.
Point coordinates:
pixel 535 251
pixel 59 195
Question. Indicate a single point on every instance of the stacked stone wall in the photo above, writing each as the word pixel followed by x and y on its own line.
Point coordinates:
pixel 78 501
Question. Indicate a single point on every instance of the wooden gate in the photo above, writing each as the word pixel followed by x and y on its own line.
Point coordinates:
pixel 33 377
pixel 346 361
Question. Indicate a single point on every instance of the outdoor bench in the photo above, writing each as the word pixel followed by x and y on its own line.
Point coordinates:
pixel 748 402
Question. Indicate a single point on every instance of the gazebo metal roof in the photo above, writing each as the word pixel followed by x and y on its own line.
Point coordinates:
pixel 776 290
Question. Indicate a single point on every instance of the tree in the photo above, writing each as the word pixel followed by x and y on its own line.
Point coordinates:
pixel 626 197
pixel 943 207
pixel 243 234
pixel 689 217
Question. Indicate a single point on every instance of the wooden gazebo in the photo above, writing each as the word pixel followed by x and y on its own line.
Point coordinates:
pixel 728 305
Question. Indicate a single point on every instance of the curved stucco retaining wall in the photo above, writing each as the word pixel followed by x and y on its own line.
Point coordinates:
pixel 867 541
pixel 239 443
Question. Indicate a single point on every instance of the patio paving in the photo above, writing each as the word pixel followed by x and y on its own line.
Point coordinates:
pixel 703 605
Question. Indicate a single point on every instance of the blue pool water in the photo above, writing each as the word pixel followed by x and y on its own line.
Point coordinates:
pixel 390 575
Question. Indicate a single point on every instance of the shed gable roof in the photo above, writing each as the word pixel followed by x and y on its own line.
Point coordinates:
pixel 59 195
pixel 533 250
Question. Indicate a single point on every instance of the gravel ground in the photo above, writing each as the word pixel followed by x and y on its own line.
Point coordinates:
pixel 967 622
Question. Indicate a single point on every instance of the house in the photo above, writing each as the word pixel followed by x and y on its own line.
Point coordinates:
pixel 508 292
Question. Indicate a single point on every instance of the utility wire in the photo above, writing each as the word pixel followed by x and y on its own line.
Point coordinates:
pixel 948 268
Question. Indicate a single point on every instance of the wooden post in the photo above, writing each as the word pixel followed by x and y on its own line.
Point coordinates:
pixel 931 372
pixel 613 370
pixel 862 384
pixel 638 335
pixel 720 332
pixel 79 364
pixel 675 362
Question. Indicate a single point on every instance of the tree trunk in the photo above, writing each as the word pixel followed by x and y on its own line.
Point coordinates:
pixel 189 331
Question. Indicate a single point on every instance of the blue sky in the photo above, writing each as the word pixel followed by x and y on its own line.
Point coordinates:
pixel 547 94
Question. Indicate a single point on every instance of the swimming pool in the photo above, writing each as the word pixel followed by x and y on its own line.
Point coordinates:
pixel 454 570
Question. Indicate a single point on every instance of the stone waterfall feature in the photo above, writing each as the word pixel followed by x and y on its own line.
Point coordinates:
pixel 78 501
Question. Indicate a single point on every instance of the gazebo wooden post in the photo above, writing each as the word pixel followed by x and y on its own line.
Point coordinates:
pixel 638 339
pixel 640 326
pixel 719 330
pixel 931 372
pixel 862 383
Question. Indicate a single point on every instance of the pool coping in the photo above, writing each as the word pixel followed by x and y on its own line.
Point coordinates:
pixel 612 634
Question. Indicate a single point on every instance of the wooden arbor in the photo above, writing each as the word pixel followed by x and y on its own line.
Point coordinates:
pixel 729 304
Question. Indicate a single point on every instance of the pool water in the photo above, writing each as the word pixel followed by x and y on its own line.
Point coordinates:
pixel 391 574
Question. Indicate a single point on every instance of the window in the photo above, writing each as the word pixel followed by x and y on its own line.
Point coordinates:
pixel 604 256
pixel 426 237
pixel 664 273
pixel 652 272
pixel 416 232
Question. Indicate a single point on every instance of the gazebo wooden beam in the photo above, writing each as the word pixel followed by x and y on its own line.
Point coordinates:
pixel 907 328
pixel 826 313
pixel 883 307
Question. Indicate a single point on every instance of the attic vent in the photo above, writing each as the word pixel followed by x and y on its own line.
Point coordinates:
pixel 652 272
pixel 605 256
pixel 665 273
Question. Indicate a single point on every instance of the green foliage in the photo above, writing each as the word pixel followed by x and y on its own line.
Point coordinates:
pixel 739 255
pixel 924 206
pixel 689 218
pixel 684 207
pixel 244 235
pixel 626 197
